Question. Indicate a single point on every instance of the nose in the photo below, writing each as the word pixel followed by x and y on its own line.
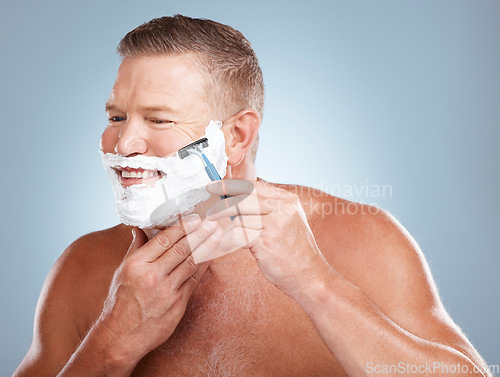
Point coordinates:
pixel 131 139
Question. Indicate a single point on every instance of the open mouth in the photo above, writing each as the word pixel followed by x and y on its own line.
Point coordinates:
pixel 131 176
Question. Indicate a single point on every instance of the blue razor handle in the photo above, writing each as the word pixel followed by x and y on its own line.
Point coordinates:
pixel 212 172
pixel 214 175
pixel 196 148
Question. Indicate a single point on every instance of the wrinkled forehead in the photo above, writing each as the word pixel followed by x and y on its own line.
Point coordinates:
pixel 161 76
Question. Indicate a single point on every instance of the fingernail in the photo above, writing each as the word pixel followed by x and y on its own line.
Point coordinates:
pixel 217 235
pixel 211 187
pixel 192 217
pixel 209 225
pixel 191 221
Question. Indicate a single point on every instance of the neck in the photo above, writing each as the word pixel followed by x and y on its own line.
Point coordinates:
pixel 244 170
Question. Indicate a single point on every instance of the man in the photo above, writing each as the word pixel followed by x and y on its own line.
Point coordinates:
pixel 306 295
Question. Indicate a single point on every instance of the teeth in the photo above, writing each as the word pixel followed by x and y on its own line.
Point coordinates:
pixel 139 174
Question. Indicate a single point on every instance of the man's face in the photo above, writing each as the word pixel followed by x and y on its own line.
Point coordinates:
pixel 157 105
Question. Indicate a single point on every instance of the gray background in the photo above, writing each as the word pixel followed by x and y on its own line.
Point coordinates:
pixel 399 93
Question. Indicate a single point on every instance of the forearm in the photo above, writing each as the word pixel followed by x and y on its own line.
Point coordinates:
pixel 366 342
pixel 100 354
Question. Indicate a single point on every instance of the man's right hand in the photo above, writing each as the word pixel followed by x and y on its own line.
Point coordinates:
pixel 150 289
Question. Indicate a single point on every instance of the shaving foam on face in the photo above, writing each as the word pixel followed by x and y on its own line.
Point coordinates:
pixel 177 192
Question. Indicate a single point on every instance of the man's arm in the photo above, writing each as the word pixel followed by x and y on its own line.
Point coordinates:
pixel 55 333
pixel 146 300
pixel 58 319
pixel 385 313
pixel 389 314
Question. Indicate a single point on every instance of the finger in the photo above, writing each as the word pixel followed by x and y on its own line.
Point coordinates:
pixel 204 251
pixel 236 239
pixel 241 233
pixel 231 187
pixel 164 240
pixel 234 187
pixel 253 222
pixel 226 203
pixel 190 283
pixel 188 267
pixel 251 205
pixel 183 248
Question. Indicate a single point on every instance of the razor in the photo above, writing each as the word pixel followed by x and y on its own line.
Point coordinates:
pixel 196 148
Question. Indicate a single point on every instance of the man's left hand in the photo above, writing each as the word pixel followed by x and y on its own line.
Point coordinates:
pixel 271 223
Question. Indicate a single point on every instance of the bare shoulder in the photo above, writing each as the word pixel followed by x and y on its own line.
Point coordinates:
pixel 87 266
pixel 83 271
pixel 366 244
pixel 100 249
pixel 370 248
pixel 72 297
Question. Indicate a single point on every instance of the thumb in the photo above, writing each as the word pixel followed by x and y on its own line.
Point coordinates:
pixel 139 239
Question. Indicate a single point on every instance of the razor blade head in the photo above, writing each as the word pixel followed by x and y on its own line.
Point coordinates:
pixel 195 145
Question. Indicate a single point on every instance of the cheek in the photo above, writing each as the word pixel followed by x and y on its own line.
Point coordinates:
pixel 166 142
pixel 159 142
pixel 109 139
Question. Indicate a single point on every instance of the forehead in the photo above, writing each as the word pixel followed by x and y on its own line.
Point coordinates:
pixel 165 78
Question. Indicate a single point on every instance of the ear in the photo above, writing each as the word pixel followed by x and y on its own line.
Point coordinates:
pixel 240 131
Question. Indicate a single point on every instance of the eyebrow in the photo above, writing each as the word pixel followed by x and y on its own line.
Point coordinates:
pixel 153 108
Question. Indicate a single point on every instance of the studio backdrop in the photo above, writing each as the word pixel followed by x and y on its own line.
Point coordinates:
pixel 393 103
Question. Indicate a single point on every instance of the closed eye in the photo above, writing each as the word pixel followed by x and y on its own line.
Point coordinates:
pixel 117 119
pixel 162 122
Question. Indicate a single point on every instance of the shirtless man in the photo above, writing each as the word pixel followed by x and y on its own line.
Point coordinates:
pixel 348 293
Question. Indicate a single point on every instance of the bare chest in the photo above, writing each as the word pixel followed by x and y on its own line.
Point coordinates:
pixel 244 327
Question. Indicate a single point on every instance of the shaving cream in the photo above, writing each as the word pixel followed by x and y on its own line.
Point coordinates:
pixel 180 188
